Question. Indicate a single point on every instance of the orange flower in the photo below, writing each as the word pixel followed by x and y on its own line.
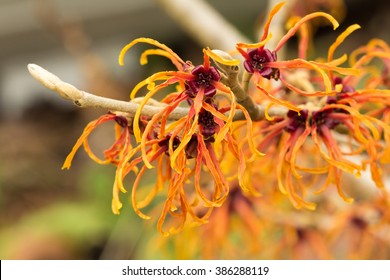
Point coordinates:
pixel 261 62
pixel 190 143
pixel 118 154
pixel 236 220
pixel 323 153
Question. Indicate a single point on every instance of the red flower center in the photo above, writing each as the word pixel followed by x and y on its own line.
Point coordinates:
pixel 203 79
pixel 256 60
pixel 296 121
pixel 207 125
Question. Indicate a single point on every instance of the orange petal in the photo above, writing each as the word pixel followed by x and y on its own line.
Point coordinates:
pixel 160 76
pixel 262 43
pixel 346 166
pixel 173 55
pixel 88 129
pixel 280 163
pixel 279 101
pixel 249 131
pixel 274 10
pixel 298 144
pixel 301 92
pixel 301 63
pixel 145 54
pixel 340 39
pixel 306 18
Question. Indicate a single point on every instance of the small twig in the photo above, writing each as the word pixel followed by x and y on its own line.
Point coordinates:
pixel 85 99
pixel 255 111
pixel 242 96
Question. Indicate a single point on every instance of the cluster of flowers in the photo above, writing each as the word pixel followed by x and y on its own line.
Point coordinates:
pixel 211 155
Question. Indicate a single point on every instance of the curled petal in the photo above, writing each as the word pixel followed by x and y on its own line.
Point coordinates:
pixel 378 43
pixel 297 201
pixel 375 48
pixel 173 190
pixel 241 46
pixel 145 99
pixel 339 163
pixel 149 128
pixel 190 128
pixel 173 56
pixel 301 63
pixel 359 119
pixel 206 60
pixel 198 169
pixel 340 39
pixel 221 57
pixel 228 121
pixel 302 92
pixel 134 202
pixel 160 52
pixel 95 158
pixel 87 131
pixel 116 205
pixel 213 111
pixel 249 132
pixel 279 101
pixel 274 10
pixel 160 76
pixel 125 155
pixel 306 18
pixel 304 36
pixel 221 185
pixel 280 163
pixel 266 112
pixel 338 61
pixel 341 70
pixel 298 144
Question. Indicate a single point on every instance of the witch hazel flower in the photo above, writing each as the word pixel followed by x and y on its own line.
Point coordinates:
pixel 256 62
pixel 118 154
pixel 306 147
pixel 187 146
pixel 203 79
pixel 261 62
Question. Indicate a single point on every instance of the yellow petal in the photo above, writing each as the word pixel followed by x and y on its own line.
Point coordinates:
pixel 340 39
pixel 255 45
pixel 272 13
pixel 221 57
pixel 306 18
pixel 88 129
pixel 172 54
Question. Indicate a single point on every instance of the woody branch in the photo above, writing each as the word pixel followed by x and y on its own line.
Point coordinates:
pixel 85 100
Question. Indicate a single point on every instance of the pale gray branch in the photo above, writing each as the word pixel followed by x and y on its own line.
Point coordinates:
pixel 203 23
pixel 85 99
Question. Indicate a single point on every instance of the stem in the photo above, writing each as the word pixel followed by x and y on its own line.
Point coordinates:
pixel 87 100
pixel 232 72
pixel 84 99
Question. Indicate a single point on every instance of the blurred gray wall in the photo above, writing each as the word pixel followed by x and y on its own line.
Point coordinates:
pixel 109 25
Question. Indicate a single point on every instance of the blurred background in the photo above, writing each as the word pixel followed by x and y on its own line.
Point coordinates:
pixel 46 213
